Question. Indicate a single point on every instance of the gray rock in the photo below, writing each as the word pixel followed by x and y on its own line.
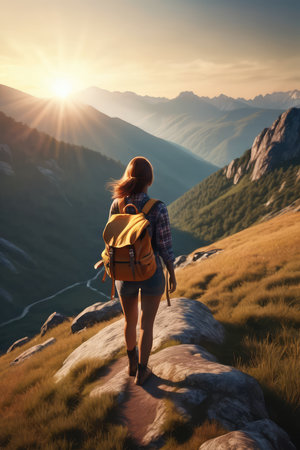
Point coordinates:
pixel 206 254
pixel 277 144
pixel 229 396
pixel 96 313
pixel 187 321
pixel 32 350
pixel 238 175
pixel 179 260
pixel 183 260
pixel 192 378
pixel 18 343
pixel 230 169
pixel 258 435
pixel 53 320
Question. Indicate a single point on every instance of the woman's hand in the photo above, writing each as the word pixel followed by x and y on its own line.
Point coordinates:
pixel 172 277
pixel 172 283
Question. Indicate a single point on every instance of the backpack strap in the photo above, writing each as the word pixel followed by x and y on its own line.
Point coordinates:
pixel 149 205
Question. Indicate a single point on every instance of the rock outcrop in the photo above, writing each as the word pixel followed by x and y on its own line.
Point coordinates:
pixel 185 260
pixel 53 320
pixel 188 375
pixel 187 321
pixel 277 144
pixel 270 149
pixel 18 343
pixel 193 379
pixel 95 313
pixel 32 350
pixel 258 435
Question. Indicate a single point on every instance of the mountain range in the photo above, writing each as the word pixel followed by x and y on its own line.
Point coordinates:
pixel 217 129
pixel 259 184
pixel 176 169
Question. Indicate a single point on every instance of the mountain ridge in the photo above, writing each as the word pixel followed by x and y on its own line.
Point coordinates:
pixel 197 123
pixel 175 170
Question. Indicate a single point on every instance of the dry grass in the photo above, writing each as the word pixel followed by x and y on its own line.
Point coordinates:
pixel 181 433
pixel 253 288
pixel 56 415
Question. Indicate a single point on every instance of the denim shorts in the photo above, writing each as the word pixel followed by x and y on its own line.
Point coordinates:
pixel 153 286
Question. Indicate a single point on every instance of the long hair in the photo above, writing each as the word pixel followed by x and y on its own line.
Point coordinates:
pixel 138 174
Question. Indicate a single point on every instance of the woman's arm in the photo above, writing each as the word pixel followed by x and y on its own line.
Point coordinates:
pixel 164 243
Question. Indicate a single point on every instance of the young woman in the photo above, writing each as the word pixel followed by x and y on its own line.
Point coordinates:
pixel 132 187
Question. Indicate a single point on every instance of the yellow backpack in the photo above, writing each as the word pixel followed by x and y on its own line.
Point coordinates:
pixel 128 253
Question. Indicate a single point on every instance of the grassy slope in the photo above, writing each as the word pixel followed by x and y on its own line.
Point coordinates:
pixel 253 288
pixel 38 413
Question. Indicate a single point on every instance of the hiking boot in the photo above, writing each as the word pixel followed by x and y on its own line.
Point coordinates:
pixel 133 362
pixel 142 374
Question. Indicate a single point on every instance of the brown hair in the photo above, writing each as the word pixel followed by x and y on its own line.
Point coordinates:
pixel 138 174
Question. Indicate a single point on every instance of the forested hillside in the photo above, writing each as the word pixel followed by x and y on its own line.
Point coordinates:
pixel 263 181
pixel 53 208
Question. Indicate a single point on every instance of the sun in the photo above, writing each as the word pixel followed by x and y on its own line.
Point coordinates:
pixel 61 88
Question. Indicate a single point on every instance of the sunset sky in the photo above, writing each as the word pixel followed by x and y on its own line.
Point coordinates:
pixel 155 47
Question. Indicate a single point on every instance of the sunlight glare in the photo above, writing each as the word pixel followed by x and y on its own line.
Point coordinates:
pixel 61 88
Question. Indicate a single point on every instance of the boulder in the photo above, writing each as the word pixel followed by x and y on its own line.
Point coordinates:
pixel 206 254
pixel 53 320
pixel 96 313
pixel 179 260
pixel 227 395
pixel 187 321
pixel 32 350
pixel 183 260
pixel 259 435
pixel 192 378
pixel 18 343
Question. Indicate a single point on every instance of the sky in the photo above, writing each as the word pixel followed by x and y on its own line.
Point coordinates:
pixel 241 48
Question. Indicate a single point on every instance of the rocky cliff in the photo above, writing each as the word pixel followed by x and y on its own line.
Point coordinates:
pixel 273 147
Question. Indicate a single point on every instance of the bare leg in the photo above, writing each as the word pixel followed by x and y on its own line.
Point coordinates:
pixel 149 307
pixel 130 309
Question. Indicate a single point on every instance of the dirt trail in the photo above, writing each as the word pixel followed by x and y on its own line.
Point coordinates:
pixel 141 403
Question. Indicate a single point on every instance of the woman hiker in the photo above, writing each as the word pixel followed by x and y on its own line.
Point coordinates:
pixel 132 187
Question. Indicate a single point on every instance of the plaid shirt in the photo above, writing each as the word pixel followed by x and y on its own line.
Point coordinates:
pixel 158 217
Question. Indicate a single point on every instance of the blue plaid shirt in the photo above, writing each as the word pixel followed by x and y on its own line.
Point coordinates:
pixel 158 217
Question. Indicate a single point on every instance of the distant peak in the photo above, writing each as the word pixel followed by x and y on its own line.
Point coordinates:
pixel 187 94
